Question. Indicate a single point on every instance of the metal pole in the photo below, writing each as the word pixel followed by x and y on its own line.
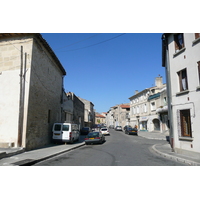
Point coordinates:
pixel 20 103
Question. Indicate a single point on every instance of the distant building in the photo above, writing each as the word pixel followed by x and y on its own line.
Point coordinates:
pixel 118 115
pixel 181 59
pixel 144 105
pixel 78 110
pixel 89 116
pixel 100 119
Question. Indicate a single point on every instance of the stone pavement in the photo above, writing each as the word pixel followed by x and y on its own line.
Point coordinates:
pixel 19 157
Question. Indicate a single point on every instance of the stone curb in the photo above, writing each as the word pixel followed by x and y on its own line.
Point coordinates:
pixel 175 158
pixel 32 161
pixel 5 155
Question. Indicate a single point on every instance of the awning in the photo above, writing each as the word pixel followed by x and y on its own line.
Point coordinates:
pixel 161 110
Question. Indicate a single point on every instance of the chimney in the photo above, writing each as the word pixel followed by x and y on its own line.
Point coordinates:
pixel 158 81
pixel 136 91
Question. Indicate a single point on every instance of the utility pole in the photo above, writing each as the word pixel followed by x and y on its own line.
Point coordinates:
pixel 21 98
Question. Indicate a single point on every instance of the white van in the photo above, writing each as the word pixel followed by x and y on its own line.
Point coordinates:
pixel 65 132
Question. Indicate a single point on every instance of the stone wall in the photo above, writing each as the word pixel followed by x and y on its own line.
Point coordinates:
pixel 44 97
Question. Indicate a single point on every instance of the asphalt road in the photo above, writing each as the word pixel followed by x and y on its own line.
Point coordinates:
pixel 118 150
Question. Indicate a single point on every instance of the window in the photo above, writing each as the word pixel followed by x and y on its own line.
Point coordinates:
pixel 65 128
pixel 199 70
pixel 138 109
pixel 57 127
pixel 185 123
pixel 145 107
pixel 153 106
pixel 197 35
pixel 179 41
pixel 153 91
pixel 183 80
pixel 165 100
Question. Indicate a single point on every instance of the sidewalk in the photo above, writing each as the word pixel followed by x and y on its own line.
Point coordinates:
pixel 18 157
pixel 165 150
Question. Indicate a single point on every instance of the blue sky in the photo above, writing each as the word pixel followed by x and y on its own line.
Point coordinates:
pixel 107 68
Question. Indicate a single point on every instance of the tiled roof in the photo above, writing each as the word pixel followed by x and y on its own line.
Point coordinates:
pixel 124 106
pixel 101 116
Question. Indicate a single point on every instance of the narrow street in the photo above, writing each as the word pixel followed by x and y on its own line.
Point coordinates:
pixel 118 150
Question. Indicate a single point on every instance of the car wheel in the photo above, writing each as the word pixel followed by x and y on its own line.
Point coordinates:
pixel 72 141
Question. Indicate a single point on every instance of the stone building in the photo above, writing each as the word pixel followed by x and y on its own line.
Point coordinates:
pixel 100 119
pixel 144 105
pixel 78 109
pixel 89 116
pixel 118 115
pixel 31 88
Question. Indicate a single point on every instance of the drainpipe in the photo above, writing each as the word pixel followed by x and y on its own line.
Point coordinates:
pixel 169 93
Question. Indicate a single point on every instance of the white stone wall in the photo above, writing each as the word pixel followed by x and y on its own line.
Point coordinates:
pixel 10 62
pixel 44 98
pixel 188 59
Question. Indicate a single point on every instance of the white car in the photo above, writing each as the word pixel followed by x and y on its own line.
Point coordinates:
pixel 104 131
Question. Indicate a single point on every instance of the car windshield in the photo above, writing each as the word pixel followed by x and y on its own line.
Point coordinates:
pixel 93 134
pixel 85 129
pixel 104 129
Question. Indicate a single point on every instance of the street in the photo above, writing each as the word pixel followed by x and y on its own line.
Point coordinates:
pixel 118 150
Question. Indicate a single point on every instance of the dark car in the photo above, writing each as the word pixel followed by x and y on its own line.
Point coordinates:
pixel 94 137
pixel 131 131
pixel 85 130
pixel 127 126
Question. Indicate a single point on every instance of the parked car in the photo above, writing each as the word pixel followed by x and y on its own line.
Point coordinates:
pixel 104 131
pixel 85 130
pixel 127 126
pixel 65 132
pixel 131 131
pixel 111 126
pixel 94 137
pixel 118 128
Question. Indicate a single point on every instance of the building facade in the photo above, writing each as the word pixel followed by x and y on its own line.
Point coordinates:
pixel 89 116
pixel 31 84
pixel 144 105
pixel 78 109
pixel 181 59
pixel 100 119
pixel 118 115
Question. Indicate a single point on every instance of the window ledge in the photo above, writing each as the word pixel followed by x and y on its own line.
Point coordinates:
pixel 180 51
pixel 182 92
pixel 186 138
pixel 196 41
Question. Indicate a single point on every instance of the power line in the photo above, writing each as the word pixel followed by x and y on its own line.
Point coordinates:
pixel 96 43
pixel 79 41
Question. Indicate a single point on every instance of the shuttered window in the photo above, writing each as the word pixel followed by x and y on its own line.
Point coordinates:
pixel 179 41
pixel 197 35
pixel 185 123
pixel 183 82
